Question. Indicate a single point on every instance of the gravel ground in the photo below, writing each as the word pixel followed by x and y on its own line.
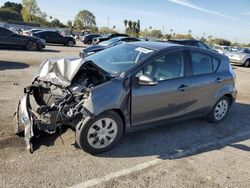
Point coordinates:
pixel 60 164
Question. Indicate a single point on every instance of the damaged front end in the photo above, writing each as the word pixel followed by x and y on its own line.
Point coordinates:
pixel 56 97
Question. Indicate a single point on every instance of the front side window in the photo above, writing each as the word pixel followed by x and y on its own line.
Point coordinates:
pixel 166 67
pixel 201 63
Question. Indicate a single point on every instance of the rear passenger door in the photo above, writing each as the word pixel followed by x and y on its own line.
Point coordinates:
pixel 204 82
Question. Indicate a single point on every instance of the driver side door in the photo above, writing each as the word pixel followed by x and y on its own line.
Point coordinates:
pixel 165 100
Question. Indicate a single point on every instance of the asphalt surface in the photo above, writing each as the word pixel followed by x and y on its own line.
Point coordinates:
pixel 178 148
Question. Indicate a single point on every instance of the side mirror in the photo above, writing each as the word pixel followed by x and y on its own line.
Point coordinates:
pixel 147 80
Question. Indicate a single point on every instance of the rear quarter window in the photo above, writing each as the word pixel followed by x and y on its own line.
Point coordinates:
pixel 203 63
pixel 216 64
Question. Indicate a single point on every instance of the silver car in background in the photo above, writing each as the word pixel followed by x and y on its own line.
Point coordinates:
pixel 241 57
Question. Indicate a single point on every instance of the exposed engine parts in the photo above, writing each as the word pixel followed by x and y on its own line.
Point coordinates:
pixel 48 105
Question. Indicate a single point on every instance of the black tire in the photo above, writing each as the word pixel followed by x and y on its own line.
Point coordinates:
pixel 82 135
pixel 31 46
pixel 70 43
pixel 212 115
pixel 247 63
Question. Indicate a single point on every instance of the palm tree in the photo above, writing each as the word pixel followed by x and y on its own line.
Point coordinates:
pixel 134 26
pixel 171 31
pixel 130 24
pixel 125 23
pixel 189 31
pixel 138 25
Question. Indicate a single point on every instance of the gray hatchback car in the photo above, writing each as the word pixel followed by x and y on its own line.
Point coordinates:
pixel 126 88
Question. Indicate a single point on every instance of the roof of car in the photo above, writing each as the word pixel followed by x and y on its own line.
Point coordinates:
pixel 181 40
pixel 154 45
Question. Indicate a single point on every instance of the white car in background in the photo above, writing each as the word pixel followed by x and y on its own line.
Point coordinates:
pixel 221 49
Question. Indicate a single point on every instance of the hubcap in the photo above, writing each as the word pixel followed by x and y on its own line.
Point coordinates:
pixel 31 46
pixel 102 133
pixel 221 109
pixel 70 43
pixel 247 63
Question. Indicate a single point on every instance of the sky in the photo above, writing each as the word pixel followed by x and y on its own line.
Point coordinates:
pixel 229 19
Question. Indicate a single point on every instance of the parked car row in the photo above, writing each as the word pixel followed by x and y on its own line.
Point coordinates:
pixel 106 44
pixel 33 39
pixel 36 39
pixel 11 39
pixel 95 38
pixel 54 37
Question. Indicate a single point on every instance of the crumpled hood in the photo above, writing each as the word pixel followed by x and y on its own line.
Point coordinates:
pixel 59 71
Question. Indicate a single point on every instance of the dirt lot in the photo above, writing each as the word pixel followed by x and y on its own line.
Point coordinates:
pixel 191 154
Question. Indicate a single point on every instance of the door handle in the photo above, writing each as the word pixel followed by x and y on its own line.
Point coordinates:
pixel 218 80
pixel 182 87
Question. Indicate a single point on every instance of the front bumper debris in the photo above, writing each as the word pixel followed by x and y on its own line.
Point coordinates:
pixel 24 119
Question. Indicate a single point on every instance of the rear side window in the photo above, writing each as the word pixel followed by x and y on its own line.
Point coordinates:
pixel 216 64
pixel 203 63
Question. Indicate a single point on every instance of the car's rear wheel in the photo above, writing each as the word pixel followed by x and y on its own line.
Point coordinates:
pixel 101 133
pixel 247 63
pixel 220 110
pixel 31 46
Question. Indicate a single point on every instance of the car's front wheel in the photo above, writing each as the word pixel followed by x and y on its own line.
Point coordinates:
pixel 220 110
pixel 31 46
pixel 101 133
pixel 70 43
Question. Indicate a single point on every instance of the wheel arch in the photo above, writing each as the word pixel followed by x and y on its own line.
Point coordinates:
pixel 230 97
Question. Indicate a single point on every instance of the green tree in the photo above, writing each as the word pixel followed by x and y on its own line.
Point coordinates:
pixel 30 8
pixel 182 36
pixel 168 36
pixel 56 23
pixel 16 7
pixel 85 20
pixel 104 30
pixel 7 14
pixel 220 41
pixel 156 33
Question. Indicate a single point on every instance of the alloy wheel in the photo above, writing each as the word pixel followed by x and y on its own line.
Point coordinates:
pixel 102 133
pixel 221 110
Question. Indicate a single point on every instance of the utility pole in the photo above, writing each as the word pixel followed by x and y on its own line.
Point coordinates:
pixel 108 23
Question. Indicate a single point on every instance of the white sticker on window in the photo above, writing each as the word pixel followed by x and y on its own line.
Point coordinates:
pixel 143 50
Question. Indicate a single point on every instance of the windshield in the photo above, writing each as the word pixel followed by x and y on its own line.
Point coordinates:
pixel 110 42
pixel 121 58
pixel 106 35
